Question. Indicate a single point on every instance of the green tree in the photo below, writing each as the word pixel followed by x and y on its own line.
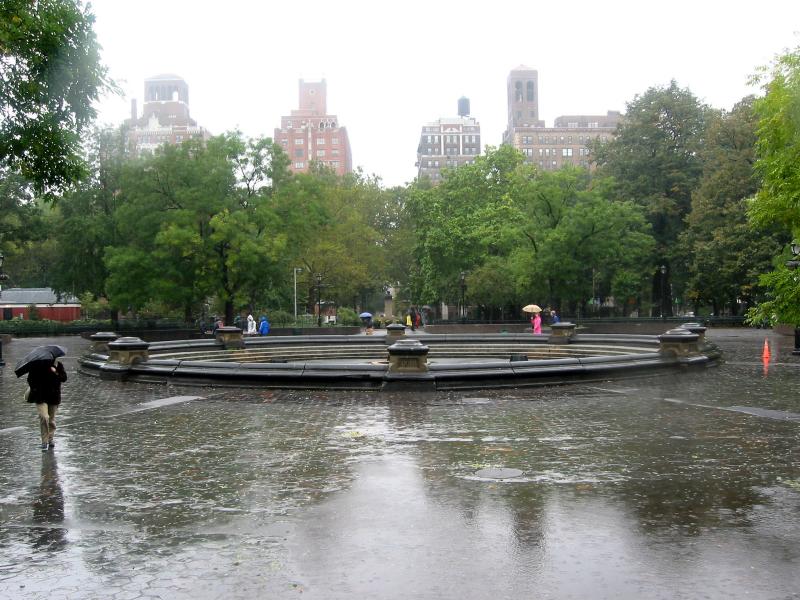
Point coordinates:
pixel 195 221
pixel 579 242
pixel 21 226
pixel 522 235
pixel 460 222
pixel 777 202
pixel 84 224
pixel 724 254
pixel 50 76
pixel 335 224
pixel 655 159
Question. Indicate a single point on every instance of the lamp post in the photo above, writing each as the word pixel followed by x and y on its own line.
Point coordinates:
pixel 3 277
pixel 295 271
pixel 318 277
pixel 663 291
pixel 463 291
pixel 793 264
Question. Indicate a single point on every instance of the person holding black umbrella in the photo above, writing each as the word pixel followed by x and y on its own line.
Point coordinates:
pixel 45 376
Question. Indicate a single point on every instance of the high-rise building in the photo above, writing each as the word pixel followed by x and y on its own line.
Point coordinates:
pixel 165 115
pixel 566 143
pixel 448 142
pixel 310 135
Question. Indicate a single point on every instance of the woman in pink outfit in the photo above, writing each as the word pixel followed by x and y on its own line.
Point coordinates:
pixel 536 322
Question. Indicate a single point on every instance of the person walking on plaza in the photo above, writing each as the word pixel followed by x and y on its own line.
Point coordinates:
pixel 44 390
pixel 263 326
pixel 251 325
pixel 411 320
pixel 536 322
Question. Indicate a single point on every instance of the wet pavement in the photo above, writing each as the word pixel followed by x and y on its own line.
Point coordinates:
pixel 684 485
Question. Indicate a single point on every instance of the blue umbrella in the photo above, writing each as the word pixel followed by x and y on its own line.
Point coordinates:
pixel 365 315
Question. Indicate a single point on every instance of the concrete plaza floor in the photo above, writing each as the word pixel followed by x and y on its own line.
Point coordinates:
pixel 685 485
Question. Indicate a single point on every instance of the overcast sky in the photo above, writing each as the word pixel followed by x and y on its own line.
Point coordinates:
pixel 393 66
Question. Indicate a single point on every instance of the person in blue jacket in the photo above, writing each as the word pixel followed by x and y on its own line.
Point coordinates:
pixel 263 326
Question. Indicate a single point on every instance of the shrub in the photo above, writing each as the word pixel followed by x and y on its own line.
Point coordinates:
pixel 276 318
pixel 347 316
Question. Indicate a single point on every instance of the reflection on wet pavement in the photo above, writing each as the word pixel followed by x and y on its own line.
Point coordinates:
pixel 677 486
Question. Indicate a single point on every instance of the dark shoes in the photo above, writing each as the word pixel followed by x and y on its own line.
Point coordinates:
pixel 48 446
pixel 45 447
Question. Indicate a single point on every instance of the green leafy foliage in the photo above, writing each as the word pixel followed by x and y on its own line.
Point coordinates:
pixel 777 203
pixel 50 76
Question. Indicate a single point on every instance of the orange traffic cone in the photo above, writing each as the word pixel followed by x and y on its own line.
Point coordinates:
pixel 765 355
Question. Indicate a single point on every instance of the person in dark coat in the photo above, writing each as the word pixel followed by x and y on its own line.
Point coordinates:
pixel 44 390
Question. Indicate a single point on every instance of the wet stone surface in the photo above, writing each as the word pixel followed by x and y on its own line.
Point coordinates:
pixel 684 485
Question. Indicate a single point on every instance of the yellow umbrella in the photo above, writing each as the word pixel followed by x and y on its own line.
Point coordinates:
pixel 532 308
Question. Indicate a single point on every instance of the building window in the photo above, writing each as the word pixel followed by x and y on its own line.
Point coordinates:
pixel 320 152
pixel 541 152
pixel 320 141
pixel 298 141
pixel 527 151
pixel 572 124
pixel 335 164
pixel 298 153
pixel 519 114
pixel 335 152
pixel 530 92
pixel 284 143
pixel 299 165
pixel 335 141
pixel 566 152
pixel 518 92
pixel 592 125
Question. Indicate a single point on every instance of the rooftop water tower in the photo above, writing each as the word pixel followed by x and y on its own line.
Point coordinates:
pixel 463 106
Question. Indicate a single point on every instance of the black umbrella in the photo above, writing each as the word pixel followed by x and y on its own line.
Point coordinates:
pixel 39 354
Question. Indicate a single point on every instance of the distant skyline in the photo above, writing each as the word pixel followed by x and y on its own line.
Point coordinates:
pixel 390 69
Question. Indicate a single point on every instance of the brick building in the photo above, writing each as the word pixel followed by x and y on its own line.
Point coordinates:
pixel 448 143
pixel 310 135
pixel 165 115
pixel 15 303
pixel 567 142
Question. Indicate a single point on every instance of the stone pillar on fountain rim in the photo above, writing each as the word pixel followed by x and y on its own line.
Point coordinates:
pixel 395 332
pixel 679 342
pixel 230 337
pixel 697 328
pixel 561 333
pixel 408 356
pixel 101 339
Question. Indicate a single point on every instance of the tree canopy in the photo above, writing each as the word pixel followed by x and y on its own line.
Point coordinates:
pixel 777 202
pixel 50 75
